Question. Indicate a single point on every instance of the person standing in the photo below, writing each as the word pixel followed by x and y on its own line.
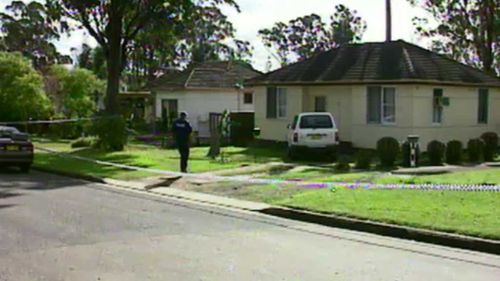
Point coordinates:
pixel 182 133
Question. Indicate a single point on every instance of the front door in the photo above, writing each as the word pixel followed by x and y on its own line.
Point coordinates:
pixel 169 112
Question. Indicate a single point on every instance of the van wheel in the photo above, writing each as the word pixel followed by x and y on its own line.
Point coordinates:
pixel 25 168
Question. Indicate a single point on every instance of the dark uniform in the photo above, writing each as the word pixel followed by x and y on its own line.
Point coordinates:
pixel 182 131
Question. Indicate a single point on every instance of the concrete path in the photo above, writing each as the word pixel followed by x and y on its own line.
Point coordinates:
pixel 54 228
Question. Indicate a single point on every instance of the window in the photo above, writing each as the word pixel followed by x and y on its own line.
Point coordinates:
pixel 320 104
pixel 248 98
pixel 276 102
pixel 437 106
pixel 316 122
pixel 389 105
pixel 482 112
pixel 374 98
pixel 381 105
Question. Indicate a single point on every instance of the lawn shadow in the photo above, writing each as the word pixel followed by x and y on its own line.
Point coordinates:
pixel 97 154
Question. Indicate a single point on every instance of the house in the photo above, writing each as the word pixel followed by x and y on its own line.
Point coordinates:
pixel 375 90
pixel 210 87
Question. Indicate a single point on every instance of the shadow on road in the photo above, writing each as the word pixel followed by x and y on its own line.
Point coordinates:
pixel 12 179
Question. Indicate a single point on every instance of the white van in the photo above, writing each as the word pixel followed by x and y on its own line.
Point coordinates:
pixel 312 130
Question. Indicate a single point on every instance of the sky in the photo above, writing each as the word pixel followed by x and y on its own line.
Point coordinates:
pixel 259 14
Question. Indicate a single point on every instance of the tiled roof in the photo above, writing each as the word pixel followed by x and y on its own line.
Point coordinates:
pixel 215 74
pixel 377 62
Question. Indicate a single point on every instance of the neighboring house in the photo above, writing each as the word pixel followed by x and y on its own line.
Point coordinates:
pixel 210 87
pixel 381 89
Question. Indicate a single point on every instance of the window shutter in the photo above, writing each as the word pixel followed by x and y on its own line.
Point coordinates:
pixel 373 104
pixel 271 102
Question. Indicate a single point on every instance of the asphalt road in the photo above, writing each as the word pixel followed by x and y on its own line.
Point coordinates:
pixel 54 228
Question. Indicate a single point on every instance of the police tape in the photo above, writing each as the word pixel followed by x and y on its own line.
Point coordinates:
pixel 277 182
pixel 56 121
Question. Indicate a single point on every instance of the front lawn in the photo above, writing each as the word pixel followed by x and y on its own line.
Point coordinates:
pixel 148 157
pixel 468 213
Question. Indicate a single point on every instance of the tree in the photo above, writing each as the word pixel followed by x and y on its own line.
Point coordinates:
pixel 76 91
pixel 208 36
pixel 116 23
pixel 466 30
pixel 305 36
pixel 30 29
pixel 92 59
pixel 211 37
pixel 21 90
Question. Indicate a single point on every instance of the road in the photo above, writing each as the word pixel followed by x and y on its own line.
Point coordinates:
pixel 54 228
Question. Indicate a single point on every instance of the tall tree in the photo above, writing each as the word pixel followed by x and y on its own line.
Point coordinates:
pixel 305 36
pixel 466 30
pixel 22 94
pixel 116 23
pixel 75 92
pixel 208 36
pixel 30 28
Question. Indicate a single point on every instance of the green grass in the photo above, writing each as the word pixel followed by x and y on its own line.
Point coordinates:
pixel 148 157
pixel 470 213
pixel 482 176
pixel 486 176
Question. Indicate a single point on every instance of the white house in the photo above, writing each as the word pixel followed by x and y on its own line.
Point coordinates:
pixel 381 89
pixel 210 87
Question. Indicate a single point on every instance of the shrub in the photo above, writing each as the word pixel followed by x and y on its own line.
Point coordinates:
pixel 490 145
pixel 364 159
pixel 475 149
pixel 83 142
pixel 435 150
pixel 111 133
pixel 388 150
pixel 405 149
pixel 342 165
pixel 454 152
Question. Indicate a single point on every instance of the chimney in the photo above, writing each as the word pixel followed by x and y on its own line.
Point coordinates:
pixel 388 21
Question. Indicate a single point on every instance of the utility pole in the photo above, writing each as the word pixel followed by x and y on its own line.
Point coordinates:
pixel 388 21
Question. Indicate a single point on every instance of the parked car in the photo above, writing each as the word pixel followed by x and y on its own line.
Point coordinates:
pixel 15 149
pixel 312 130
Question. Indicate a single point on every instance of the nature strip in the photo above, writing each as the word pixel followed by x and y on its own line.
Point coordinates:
pixel 312 185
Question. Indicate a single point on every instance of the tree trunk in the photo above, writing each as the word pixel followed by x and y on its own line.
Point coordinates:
pixel 114 57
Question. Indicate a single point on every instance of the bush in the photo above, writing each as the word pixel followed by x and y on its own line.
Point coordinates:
pixel 111 133
pixel 454 152
pixel 388 150
pixel 364 159
pixel 490 145
pixel 435 150
pixel 475 149
pixel 342 165
pixel 405 149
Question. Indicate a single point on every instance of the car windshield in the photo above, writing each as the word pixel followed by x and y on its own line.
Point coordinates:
pixel 316 122
pixel 7 132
